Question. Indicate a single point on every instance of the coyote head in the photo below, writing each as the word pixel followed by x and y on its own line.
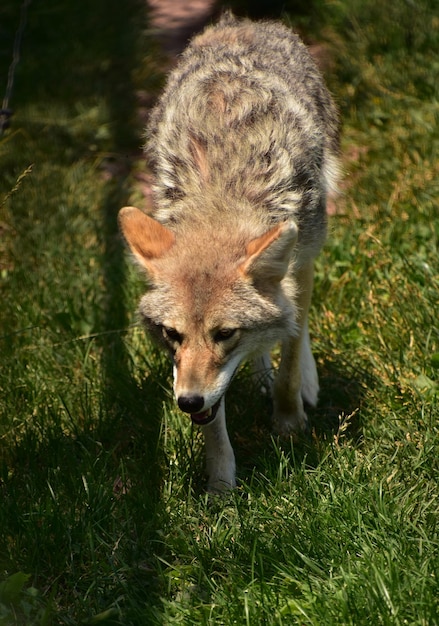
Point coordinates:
pixel 217 295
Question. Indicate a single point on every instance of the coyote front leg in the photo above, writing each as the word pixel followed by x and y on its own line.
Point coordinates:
pixel 297 377
pixel 220 459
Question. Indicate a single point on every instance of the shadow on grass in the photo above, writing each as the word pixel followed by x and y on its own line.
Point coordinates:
pixel 75 54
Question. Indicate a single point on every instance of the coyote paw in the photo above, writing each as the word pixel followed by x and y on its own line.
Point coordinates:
pixel 221 473
pixel 285 424
pixel 221 484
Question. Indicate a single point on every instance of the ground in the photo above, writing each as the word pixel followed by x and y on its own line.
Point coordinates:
pixel 175 22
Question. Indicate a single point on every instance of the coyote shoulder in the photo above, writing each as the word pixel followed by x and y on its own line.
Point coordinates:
pixel 243 145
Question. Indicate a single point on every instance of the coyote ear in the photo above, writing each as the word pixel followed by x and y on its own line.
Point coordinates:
pixel 268 256
pixel 147 238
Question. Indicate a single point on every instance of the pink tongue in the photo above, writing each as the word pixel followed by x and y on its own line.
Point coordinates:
pixel 197 417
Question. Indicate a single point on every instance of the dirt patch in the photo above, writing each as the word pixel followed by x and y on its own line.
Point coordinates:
pixel 175 21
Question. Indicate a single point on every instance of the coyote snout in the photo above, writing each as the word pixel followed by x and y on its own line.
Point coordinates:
pixel 243 145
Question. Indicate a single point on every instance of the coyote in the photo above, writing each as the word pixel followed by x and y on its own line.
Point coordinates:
pixel 243 145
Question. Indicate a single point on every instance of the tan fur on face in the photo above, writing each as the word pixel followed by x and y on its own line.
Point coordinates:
pixel 205 298
pixel 206 281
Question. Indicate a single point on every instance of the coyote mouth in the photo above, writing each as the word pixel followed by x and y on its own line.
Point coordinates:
pixel 206 417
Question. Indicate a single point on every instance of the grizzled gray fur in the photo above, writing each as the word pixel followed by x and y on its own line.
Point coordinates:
pixel 246 121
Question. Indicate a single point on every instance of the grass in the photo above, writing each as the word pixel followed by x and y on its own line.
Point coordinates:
pixel 103 513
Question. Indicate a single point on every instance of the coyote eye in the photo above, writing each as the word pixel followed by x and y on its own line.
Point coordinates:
pixel 224 333
pixel 171 334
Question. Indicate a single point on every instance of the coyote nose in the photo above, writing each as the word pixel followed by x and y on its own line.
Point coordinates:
pixel 191 404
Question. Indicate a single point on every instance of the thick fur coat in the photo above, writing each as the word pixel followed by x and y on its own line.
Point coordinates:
pixel 243 145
